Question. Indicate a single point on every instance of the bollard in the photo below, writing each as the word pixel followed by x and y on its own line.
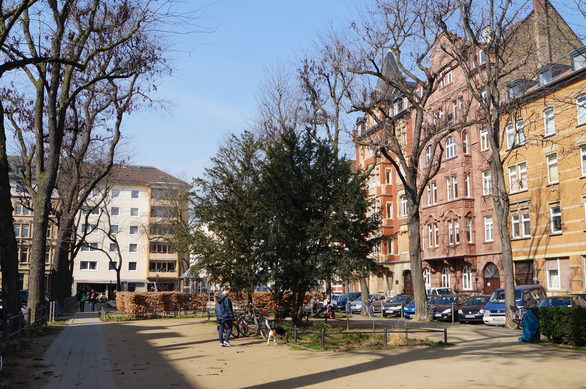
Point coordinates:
pixel 386 337
pixel 445 335
pixel 295 334
pixel 323 338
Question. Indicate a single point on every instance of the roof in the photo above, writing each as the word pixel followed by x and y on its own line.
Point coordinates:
pixel 142 175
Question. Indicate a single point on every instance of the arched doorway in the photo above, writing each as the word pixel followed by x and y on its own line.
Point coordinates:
pixel 407 282
pixel 491 277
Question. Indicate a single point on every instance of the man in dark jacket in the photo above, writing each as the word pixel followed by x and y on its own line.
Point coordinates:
pixel 224 315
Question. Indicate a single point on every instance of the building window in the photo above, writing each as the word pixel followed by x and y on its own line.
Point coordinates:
pixel 467 185
pixel 467 278
pixel 448 188
pixel 21 209
pixel 403 210
pixel 469 232
pixel 89 246
pixel 430 235
pixel 87 209
pixel 520 225
pixel 555 219
pixel 453 231
pixel 161 267
pixel 488 231
pixel 133 211
pixel 131 265
pixel 133 247
pixel 115 192
pixel 112 265
pixel 133 230
pixel 161 248
pixel 23 254
pixel 134 194
pixel 435 234
pixel 548 122
pixel 450 147
pixel 88 265
pixel 446 277
pixel 552 168
pixel 553 274
pixel 389 176
pixel 486 183
pixel 428 190
pixel 427 278
pixel 465 145
pixel 455 186
pixel 518 177
pixel 483 139
pixel 515 134
pixel 114 211
pixel 583 159
pixel 581 106
pixel 88 228
pixel 22 230
pixel 434 193
pixel 113 247
pixel 450 233
pixel 114 228
pixel 389 210
pixel 428 154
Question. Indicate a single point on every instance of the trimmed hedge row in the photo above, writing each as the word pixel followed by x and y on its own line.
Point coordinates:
pixel 141 303
pixel 564 325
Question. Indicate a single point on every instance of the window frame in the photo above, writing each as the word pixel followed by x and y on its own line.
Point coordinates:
pixel 581 109
pixel 133 248
pixel 467 278
pixel 451 151
pixel 486 183
pixel 484 145
pixel 488 229
pixel 550 164
pixel 548 117
pixel 553 216
pixel 446 277
pixel 132 211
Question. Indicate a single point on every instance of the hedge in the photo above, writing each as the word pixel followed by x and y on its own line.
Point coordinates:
pixel 564 325
pixel 141 303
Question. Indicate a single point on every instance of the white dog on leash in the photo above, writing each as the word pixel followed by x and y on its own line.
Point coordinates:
pixel 273 332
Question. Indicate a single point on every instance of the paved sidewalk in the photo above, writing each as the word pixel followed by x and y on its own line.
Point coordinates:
pixel 78 357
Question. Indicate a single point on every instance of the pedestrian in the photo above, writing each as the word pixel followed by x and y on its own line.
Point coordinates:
pixel 224 316
pixel 82 298
pixel 93 297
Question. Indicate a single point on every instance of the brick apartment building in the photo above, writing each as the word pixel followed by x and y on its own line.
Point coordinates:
pixel 459 245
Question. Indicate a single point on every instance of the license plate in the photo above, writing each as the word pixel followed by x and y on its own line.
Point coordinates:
pixel 438 314
pixel 469 316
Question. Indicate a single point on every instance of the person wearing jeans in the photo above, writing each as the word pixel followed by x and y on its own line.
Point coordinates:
pixel 224 316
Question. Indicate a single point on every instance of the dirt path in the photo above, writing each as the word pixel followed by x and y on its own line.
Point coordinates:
pixel 184 353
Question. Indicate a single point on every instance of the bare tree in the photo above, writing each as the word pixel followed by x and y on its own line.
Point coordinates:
pixel 495 43
pixel 397 58
pixel 80 31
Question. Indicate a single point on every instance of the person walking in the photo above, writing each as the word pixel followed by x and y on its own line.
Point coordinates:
pixel 224 316
pixel 82 298
pixel 93 297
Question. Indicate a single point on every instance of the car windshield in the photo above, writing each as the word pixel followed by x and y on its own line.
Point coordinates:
pixel 478 300
pixel 359 298
pixel 446 300
pixel 399 299
pixel 444 292
pixel 556 302
pixel 498 296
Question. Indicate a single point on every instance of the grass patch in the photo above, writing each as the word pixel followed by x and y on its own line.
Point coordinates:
pixel 355 340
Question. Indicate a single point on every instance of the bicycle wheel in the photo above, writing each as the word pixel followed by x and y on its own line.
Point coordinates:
pixel 512 321
pixel 245 329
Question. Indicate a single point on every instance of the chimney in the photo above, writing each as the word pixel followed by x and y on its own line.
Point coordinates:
pixel 541 32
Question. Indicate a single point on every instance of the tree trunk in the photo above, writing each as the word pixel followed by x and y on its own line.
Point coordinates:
pixel 36 283
pixel 501 205
pixel 8 251
pixel 61 279
pixel 415 261
pixel 364 292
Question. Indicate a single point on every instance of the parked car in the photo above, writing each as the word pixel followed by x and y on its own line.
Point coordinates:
pixel 335 298
pixel 409 310
pixel 583 295
pixel 562 301
pixel 341 304
pixel 376 300
pixel 526 296
pixel 444 306
pixel 395 305
pixel 472 310
pixel 440 291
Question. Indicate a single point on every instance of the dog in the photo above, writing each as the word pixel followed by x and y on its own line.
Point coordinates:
pixel 274 332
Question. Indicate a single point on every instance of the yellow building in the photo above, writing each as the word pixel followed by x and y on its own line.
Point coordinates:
pixel 544 148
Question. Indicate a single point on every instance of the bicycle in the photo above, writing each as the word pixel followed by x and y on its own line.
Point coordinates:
pixel 242 327
pixel 515 316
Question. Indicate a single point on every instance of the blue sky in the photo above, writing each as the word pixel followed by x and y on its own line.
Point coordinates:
pixel 213 88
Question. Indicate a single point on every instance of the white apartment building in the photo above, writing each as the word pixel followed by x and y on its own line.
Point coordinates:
pixel 138 210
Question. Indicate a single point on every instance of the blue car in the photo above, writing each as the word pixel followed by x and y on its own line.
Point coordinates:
pixel 409 309
pixel 526 296
pixel 341 303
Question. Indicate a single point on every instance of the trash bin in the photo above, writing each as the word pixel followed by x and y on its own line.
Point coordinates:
pixel 537 336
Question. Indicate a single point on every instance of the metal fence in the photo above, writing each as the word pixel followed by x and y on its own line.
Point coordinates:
pixel 20 324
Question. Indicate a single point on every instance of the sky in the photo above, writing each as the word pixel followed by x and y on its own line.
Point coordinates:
pixel 212 91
